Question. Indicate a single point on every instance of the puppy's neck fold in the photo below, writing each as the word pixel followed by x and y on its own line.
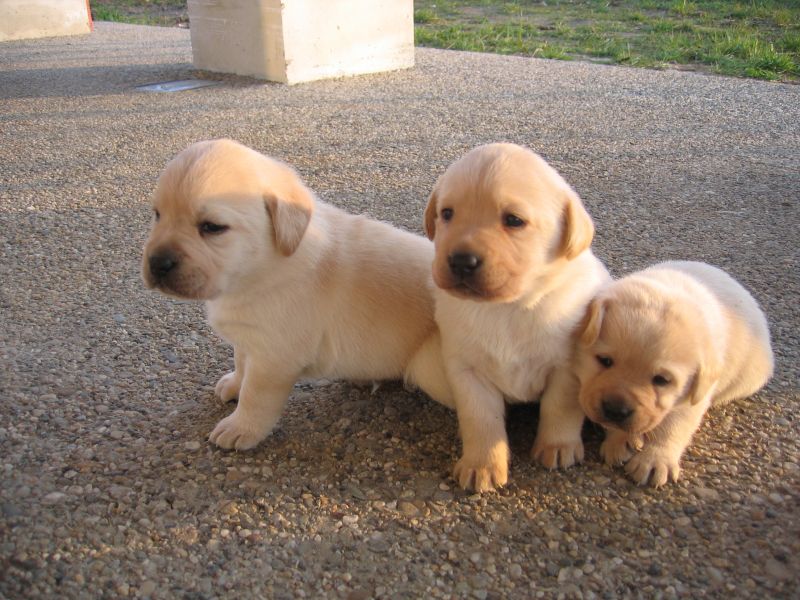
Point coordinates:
pixel 561 273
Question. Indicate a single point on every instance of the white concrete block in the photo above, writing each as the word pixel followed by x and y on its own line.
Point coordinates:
pixel 292 41
pixel 26 19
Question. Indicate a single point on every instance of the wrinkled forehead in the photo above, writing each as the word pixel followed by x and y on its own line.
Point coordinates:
pixel 192 188
pixel 493 180
pixel 648 333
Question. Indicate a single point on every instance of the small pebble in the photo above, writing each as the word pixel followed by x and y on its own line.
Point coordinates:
pixel 53 498
pixel 408 509
pixel 146 589
pixel 706 494
pixel 777 570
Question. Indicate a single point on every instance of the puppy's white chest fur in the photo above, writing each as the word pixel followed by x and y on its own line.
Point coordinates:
pixel 510 345
pixel 270 325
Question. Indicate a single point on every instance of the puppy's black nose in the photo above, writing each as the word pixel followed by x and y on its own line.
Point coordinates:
pixel 616 409
pixel 162 264
pixel 463 264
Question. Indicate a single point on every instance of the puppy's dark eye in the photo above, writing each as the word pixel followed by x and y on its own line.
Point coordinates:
pixel 209 228
pixel 605 361
pixel 660 381
pixel 156 214
pixel 513 221
pixel 446 214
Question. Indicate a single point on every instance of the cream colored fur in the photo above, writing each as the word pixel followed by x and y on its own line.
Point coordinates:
pixel 680 337
pixel 298 287
pixel 506 333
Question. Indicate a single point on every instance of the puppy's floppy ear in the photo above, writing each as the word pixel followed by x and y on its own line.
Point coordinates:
pixel 578 229
pixel 290 211
pixel 430 216
pixel 589 327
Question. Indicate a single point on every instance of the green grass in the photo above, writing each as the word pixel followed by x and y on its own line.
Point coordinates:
pixel 743 38
pixel 141 12
pixel 107 13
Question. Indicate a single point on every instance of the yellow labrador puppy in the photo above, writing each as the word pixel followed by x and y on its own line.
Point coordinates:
pixel 657 349
pixel 514 272
pixel 298 287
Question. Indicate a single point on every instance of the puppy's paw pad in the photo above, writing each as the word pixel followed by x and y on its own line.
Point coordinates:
pixel 653 466
pixel 232 433
pixel 480 476
pixel 228 387
pixel 557 454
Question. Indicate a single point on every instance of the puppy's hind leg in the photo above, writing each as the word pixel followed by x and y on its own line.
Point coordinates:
pixel 228 386
pixel 262 399
pixel 426 370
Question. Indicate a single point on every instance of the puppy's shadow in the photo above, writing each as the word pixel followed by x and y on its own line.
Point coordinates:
pixel 365 444
pixel 339 431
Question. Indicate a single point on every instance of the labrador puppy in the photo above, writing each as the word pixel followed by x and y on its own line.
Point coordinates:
pixel 298 287
pixel 514 273
pixel 656 350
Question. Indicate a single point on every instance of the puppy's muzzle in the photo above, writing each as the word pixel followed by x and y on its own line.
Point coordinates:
pixel 162 265
pixel 616 410
pixel 464 265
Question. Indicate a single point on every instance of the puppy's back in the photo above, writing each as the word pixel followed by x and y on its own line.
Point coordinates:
pixel 748 362
pixel 375 282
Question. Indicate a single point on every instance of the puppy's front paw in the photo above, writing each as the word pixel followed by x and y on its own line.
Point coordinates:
pixel 235 433
pixel 618 447
pixel 555 454
pixel 655 465
pixel 615 452
pixel 228 387
pixel 481 476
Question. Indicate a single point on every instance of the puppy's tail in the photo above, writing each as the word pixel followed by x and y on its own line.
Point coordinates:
pixel 426 371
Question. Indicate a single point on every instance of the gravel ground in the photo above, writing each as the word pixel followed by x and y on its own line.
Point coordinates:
pixel 109 488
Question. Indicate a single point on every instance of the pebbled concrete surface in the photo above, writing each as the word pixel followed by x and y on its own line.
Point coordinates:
pixel 109 488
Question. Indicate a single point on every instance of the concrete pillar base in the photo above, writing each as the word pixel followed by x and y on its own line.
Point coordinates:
pixel 27 19
pixel 291 41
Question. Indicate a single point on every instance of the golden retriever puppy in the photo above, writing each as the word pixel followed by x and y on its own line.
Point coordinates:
pixel 514 272
pixel 656 350
pixel 298 287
